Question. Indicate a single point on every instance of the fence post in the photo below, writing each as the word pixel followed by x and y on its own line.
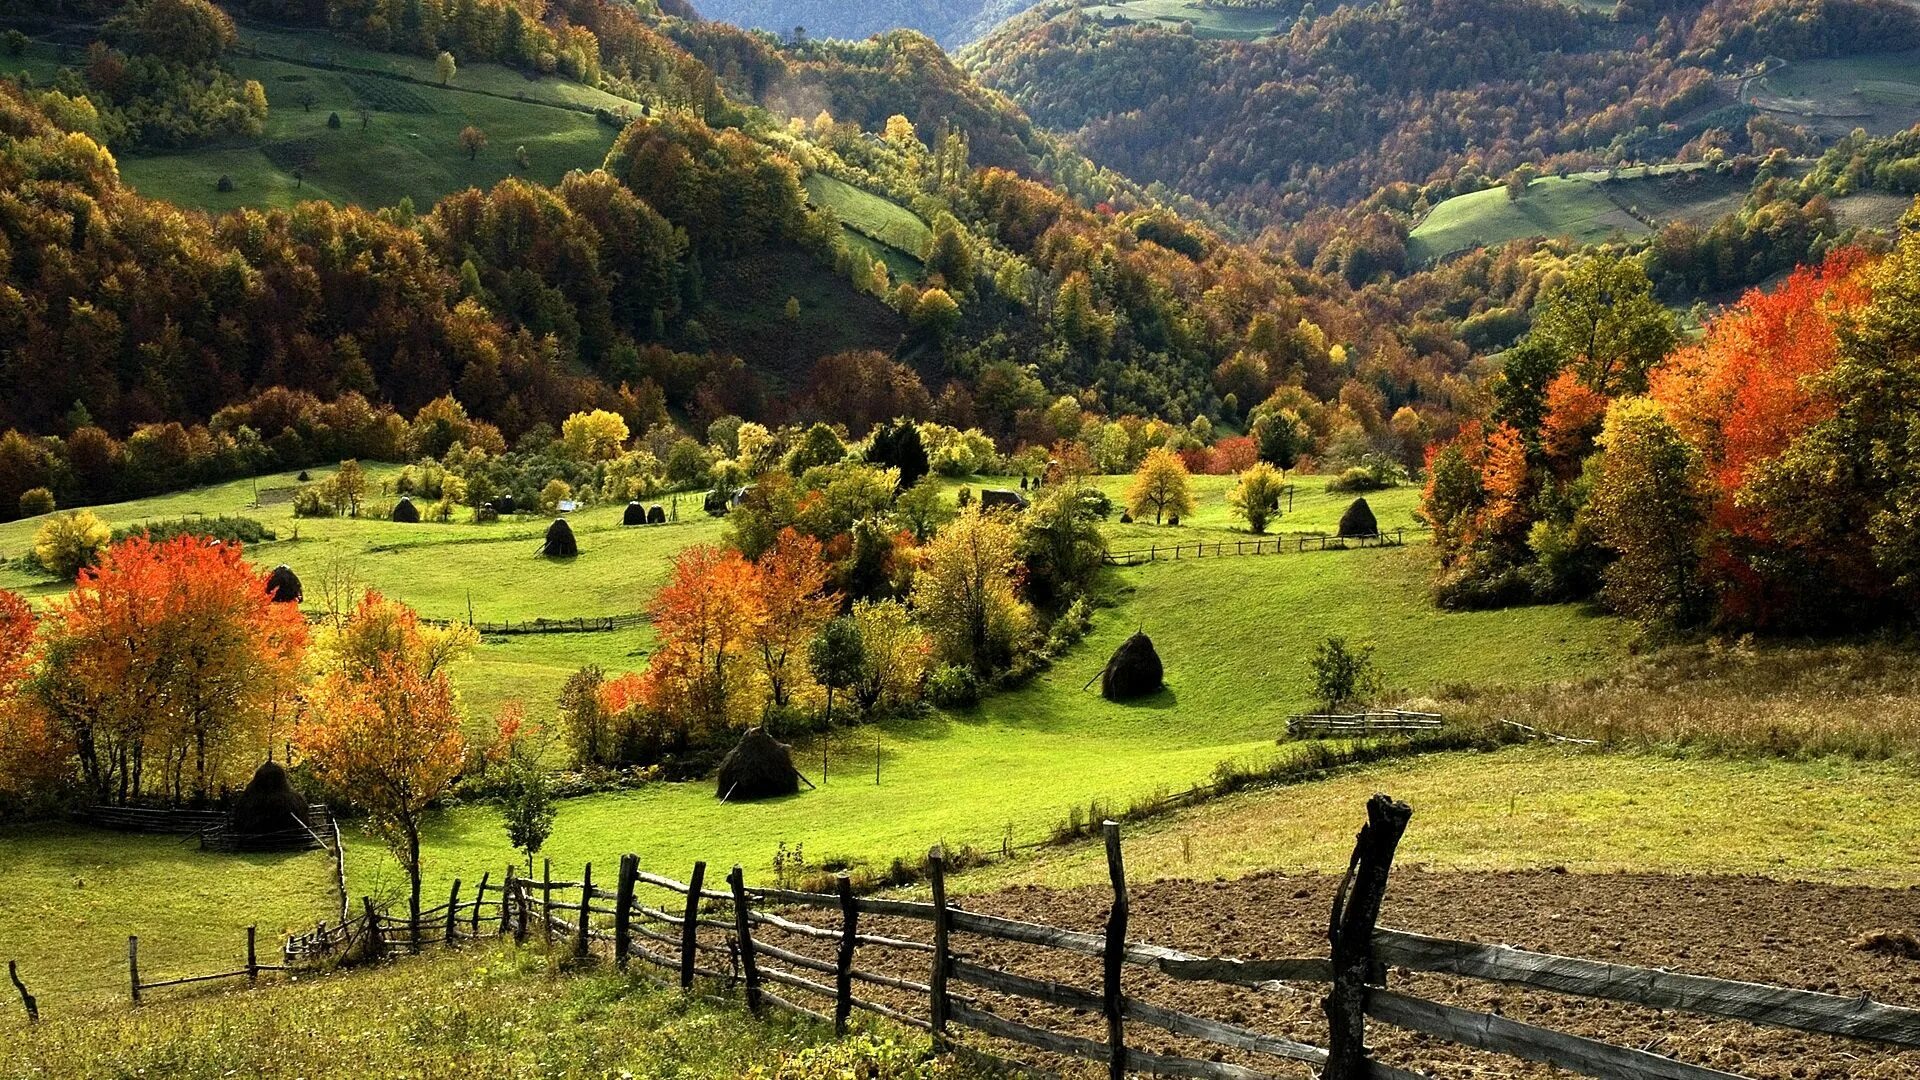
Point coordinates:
pixel 376 944
pixel 33 1006
pixel 843 963
pixel 546 900
pixel 582 938
pixel 453 910
pixel 479 895
pixel 253 958
pixel 506 902
pixel 942 958
pixel 523 900
pixel 623 909
pixel 1356 907
pixel 690 925
pixel 340 870
pixel 1115 955
pixel 743 933
pixel 133 965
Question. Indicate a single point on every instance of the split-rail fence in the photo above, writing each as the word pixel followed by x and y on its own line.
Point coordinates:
pixel 867 955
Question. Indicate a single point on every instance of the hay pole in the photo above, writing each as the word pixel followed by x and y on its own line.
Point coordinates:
pixel 26 999
pixel 743 935
pixel 843 960
pixel 690 925
pixel 583 936
pixel 940 1009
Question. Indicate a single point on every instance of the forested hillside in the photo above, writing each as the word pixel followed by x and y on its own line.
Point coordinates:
pixel 1438 94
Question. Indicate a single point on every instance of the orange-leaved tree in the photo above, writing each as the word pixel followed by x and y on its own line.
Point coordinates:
pixel 168 665
pixel 33 755
pixel 383 725
pixel 702 675
pixel 795 603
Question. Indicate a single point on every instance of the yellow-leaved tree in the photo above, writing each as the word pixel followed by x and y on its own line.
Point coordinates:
pixel 1160 486
pixel 967 591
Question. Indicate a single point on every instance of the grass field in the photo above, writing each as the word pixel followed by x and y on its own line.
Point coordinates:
pixel 1532 807
pixel 410 147
pixel 1879 92
pixel 1207 20
pixel 1574 206
pixel 1013 767
pixel 73 895
pixel 885 223
pixel 493 1011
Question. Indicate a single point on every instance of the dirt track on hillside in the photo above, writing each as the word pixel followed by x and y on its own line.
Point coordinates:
pixel 1791 934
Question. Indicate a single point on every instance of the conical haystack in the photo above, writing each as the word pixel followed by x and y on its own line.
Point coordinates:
pixel 758 767
pixel 560 543
pixel 283 585
pixel 1359 520
pixel 1133 671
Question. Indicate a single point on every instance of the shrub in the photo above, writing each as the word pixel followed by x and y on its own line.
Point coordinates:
pixel 227 528
pixel 309 502
pixel 71 542
pixel 36 501
pixel 953 687
pixel 1374 473
pixel 1343 673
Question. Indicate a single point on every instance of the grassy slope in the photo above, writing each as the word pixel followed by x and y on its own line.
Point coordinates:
pixel 1020 761
pixel 491 1011
pixel 1878 92
pixel 870 215
pixel 73 895
pixel 410 148
pixel 1573 206
pixel 1243 24
pixel 1539 806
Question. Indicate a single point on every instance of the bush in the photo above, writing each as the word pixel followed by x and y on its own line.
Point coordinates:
pixel 71 542
pixel 954 687
pixel 1343 673
pixel 36 501
pixel 1374 473
pixel 1097 502
pixel 227 528
pixel 1482 582
pixel 309 502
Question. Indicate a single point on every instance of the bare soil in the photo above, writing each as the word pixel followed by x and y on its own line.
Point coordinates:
pixel 1785 933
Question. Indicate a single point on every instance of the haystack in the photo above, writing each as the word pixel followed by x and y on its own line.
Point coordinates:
pixel 1133 671
pixel 992 497
pixel 283 585
pixel 560 543
pixel 758 767
pixel 269 810
pixel 636 514
pixel 1359 520
pixel 656 514
pixel 405 512
pixel 505 505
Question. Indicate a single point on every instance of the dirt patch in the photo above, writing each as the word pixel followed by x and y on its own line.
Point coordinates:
pixel 1786 933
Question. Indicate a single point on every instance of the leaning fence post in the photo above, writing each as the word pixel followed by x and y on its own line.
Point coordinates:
pixel 583 937
pixel 843 963
pixel 479 895
pixel 623 908
pixel 942 960
pixel 1115 954
pixel 453 909
pixel 523 901
pixel 33 1006
pixel 133 965
pixel 1356 907
pixel 253 958
pixel 743 933
pixel 690 925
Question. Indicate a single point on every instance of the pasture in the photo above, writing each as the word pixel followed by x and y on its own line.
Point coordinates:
pixel 884 224
pixel 1207 20
pixel 1879 92
pixel 1012 768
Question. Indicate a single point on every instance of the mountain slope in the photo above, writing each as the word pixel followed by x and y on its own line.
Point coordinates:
pixel 950 22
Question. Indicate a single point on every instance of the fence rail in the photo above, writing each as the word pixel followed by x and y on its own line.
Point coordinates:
pixel 1367 722
pixel 1278 545
pixel 762 942
pixel 540 624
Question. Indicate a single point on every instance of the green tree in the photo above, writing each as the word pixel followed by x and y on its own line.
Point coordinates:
pixel 836 659
pixel 1061 544
pixel 1279 436
pixel 1257 496
pixel 1648 507
pixel 1603 319
pixel 527 809
pixel 966 591
pixel 1343 674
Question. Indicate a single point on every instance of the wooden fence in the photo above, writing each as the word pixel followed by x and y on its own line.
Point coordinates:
pixel 1275 546
pixel 1366 722
pixel 912 962
pixel 540 624
pixel 212 828
pixel 250 971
